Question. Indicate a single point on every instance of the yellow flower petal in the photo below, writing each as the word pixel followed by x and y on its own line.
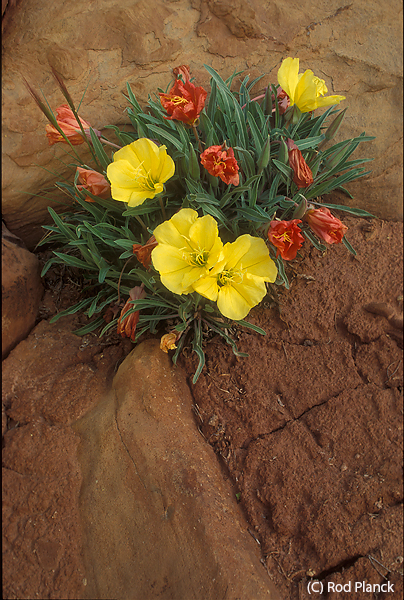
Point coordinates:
pixel 139 171
pixel 207 287
pixel 187 247
pixel 235 301
pixel 235 251
pixel 304 89
pixel 257 261
pixel 175 232
pixel 288 75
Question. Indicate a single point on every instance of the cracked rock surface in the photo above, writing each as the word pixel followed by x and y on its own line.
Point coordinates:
pixel 309 427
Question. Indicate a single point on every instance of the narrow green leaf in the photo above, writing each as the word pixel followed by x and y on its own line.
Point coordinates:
pixel 348 246
pixel 161 133
pixel 251 326
pixel 99 150
pixel 90 327
pixel 72 261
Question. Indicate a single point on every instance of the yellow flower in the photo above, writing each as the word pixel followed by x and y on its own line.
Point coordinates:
pixel 187 248
pixel 237 282
pixel 304 89
pixel 139 171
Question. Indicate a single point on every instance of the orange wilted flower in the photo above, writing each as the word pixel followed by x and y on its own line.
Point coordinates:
pixel 303 177
pixel 287 238
pixel 69 125
pixel 283 100
pixel 184 102
pixel 219 161
pixel 325 225
pixel 94 182
pixel 168 340
pixel 127 325
pixel 143 253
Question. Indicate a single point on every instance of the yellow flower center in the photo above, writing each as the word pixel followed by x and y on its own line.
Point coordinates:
pixel 145 179
pixel 178 100
pixel 198 258
pixel 219 163
pixel 283 236
pixel 229 276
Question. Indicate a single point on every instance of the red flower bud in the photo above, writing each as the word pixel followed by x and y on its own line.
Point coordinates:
pixel 143 253
pixel 94 182
pixel 283 100
pixel 69 125
pixel 286 236
pixel 182 71
pixel 325 225
pixel 303 177
pixel 219 161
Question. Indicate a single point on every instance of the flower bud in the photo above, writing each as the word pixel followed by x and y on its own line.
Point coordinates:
pixel 194 170
pixel 68 123
pixel 94 182
pixel 267 102
pixel 283 152
pixel 325 225
pixel 302 175
pixel 335 125
pixel 293 114
pixel 265 155
pixel 143 253
pixel 300 209
pixel 333 160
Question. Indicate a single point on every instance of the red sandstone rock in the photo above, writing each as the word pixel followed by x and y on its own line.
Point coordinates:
pixel 49 380
pixel 21 291
pixel 158 517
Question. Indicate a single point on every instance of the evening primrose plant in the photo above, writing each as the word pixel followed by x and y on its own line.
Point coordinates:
pixel 183 224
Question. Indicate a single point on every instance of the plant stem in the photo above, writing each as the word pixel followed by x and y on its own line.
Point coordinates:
pixel 162 208
pixel 105 141
pixel 141 222
pixel 197 138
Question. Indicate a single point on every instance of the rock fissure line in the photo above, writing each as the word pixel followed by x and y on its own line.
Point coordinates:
pixel 340 567
pixel 127 451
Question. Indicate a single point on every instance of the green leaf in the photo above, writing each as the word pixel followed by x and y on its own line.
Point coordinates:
pixel 348 246
pixel 90 327
pixel 67 231
pixel 251 326
pixel 314 241
pixel 359 212
pixel 132 99
pixel 167 136
pixel 282 277
pixel 311 142
pixel 72 261
pixel 99 150
pixel 72 309
pixel 287 171
pixel 197 348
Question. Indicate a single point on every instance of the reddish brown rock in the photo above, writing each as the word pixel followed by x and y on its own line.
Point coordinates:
pixel 158 518
pixel 21 291
pixel 49 380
